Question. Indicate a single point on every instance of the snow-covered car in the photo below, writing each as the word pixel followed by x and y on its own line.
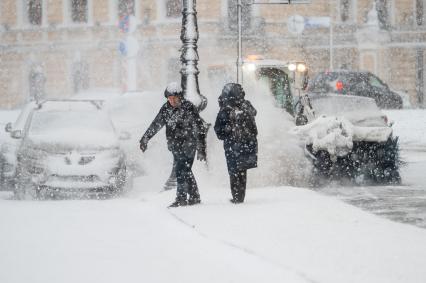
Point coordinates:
pixel 349 137
pixel 7 151
pixel 67 147
pixel 7 163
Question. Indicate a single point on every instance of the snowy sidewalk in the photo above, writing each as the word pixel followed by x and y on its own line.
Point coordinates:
pixel 278 235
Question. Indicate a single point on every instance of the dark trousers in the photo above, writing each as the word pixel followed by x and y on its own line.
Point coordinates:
pixel 238 180
pixel 186 183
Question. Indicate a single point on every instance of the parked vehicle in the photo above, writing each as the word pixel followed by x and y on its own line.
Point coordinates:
pixel 8 147
pixel 355 83
pixel 67 147
pixel 348 137
pixel 7 164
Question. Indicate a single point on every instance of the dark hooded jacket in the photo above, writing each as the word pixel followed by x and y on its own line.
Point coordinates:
pixel 185 129
pixel 236 126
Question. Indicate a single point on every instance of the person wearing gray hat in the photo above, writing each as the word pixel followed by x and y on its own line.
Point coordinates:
pixel 186 135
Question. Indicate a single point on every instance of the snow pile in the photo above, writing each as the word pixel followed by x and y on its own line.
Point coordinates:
pixel 332 134
pixel 336 134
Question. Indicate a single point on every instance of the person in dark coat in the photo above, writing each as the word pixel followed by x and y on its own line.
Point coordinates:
pixel 185 133
pixel 236 126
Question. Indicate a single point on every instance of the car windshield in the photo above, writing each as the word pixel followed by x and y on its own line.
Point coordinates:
pixel 49 122
pixel 341 104
pixel 375 82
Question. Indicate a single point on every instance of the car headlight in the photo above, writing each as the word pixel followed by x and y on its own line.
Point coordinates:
pixel 292 67
pixel 301 68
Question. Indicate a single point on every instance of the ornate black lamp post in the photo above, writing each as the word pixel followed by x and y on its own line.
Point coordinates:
pixel 189 71
pixel 189 57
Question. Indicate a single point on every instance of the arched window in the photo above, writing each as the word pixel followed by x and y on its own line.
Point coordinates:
pixel 173 8
pixel 79 11
pixel 34 12
pixel 346 10
pixel 382 7
pixel 126 8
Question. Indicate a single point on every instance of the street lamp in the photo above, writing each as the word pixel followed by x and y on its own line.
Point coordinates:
pixel 189 71
pixel 189 57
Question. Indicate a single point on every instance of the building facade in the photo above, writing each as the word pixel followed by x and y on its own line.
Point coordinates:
pixel 56 48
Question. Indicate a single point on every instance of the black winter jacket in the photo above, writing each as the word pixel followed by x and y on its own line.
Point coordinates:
pixel 185 129
pixel 239 134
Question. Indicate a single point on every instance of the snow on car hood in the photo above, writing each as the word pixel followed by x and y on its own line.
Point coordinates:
pixel 72 129
pixel 78 138
pixel 336 134
pixel 360 111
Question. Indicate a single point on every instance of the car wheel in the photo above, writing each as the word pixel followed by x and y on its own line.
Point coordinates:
pixel 121 182
pixel 24 189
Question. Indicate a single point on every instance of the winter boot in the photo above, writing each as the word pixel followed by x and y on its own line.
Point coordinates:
pixel 194 200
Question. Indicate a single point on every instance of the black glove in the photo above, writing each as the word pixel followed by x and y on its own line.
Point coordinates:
pixel 202 155
pixel 143 145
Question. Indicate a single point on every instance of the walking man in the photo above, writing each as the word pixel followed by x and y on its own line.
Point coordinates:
pixel 186 134
pixel 236 126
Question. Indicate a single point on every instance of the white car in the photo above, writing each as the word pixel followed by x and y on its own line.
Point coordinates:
pixel 7 151
pixel 67 147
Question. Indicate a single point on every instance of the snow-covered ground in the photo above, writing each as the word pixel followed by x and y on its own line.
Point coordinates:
pixel 280 234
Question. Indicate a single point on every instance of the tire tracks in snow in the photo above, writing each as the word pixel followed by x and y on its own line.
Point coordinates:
pixel 245 250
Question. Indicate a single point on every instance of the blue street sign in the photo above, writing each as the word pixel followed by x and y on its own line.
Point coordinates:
pixel 124 24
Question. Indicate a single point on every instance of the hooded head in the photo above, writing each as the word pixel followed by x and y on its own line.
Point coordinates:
pixel 173 89
pixel 232 94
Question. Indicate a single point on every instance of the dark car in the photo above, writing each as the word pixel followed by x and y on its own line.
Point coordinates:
pixel 356 83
